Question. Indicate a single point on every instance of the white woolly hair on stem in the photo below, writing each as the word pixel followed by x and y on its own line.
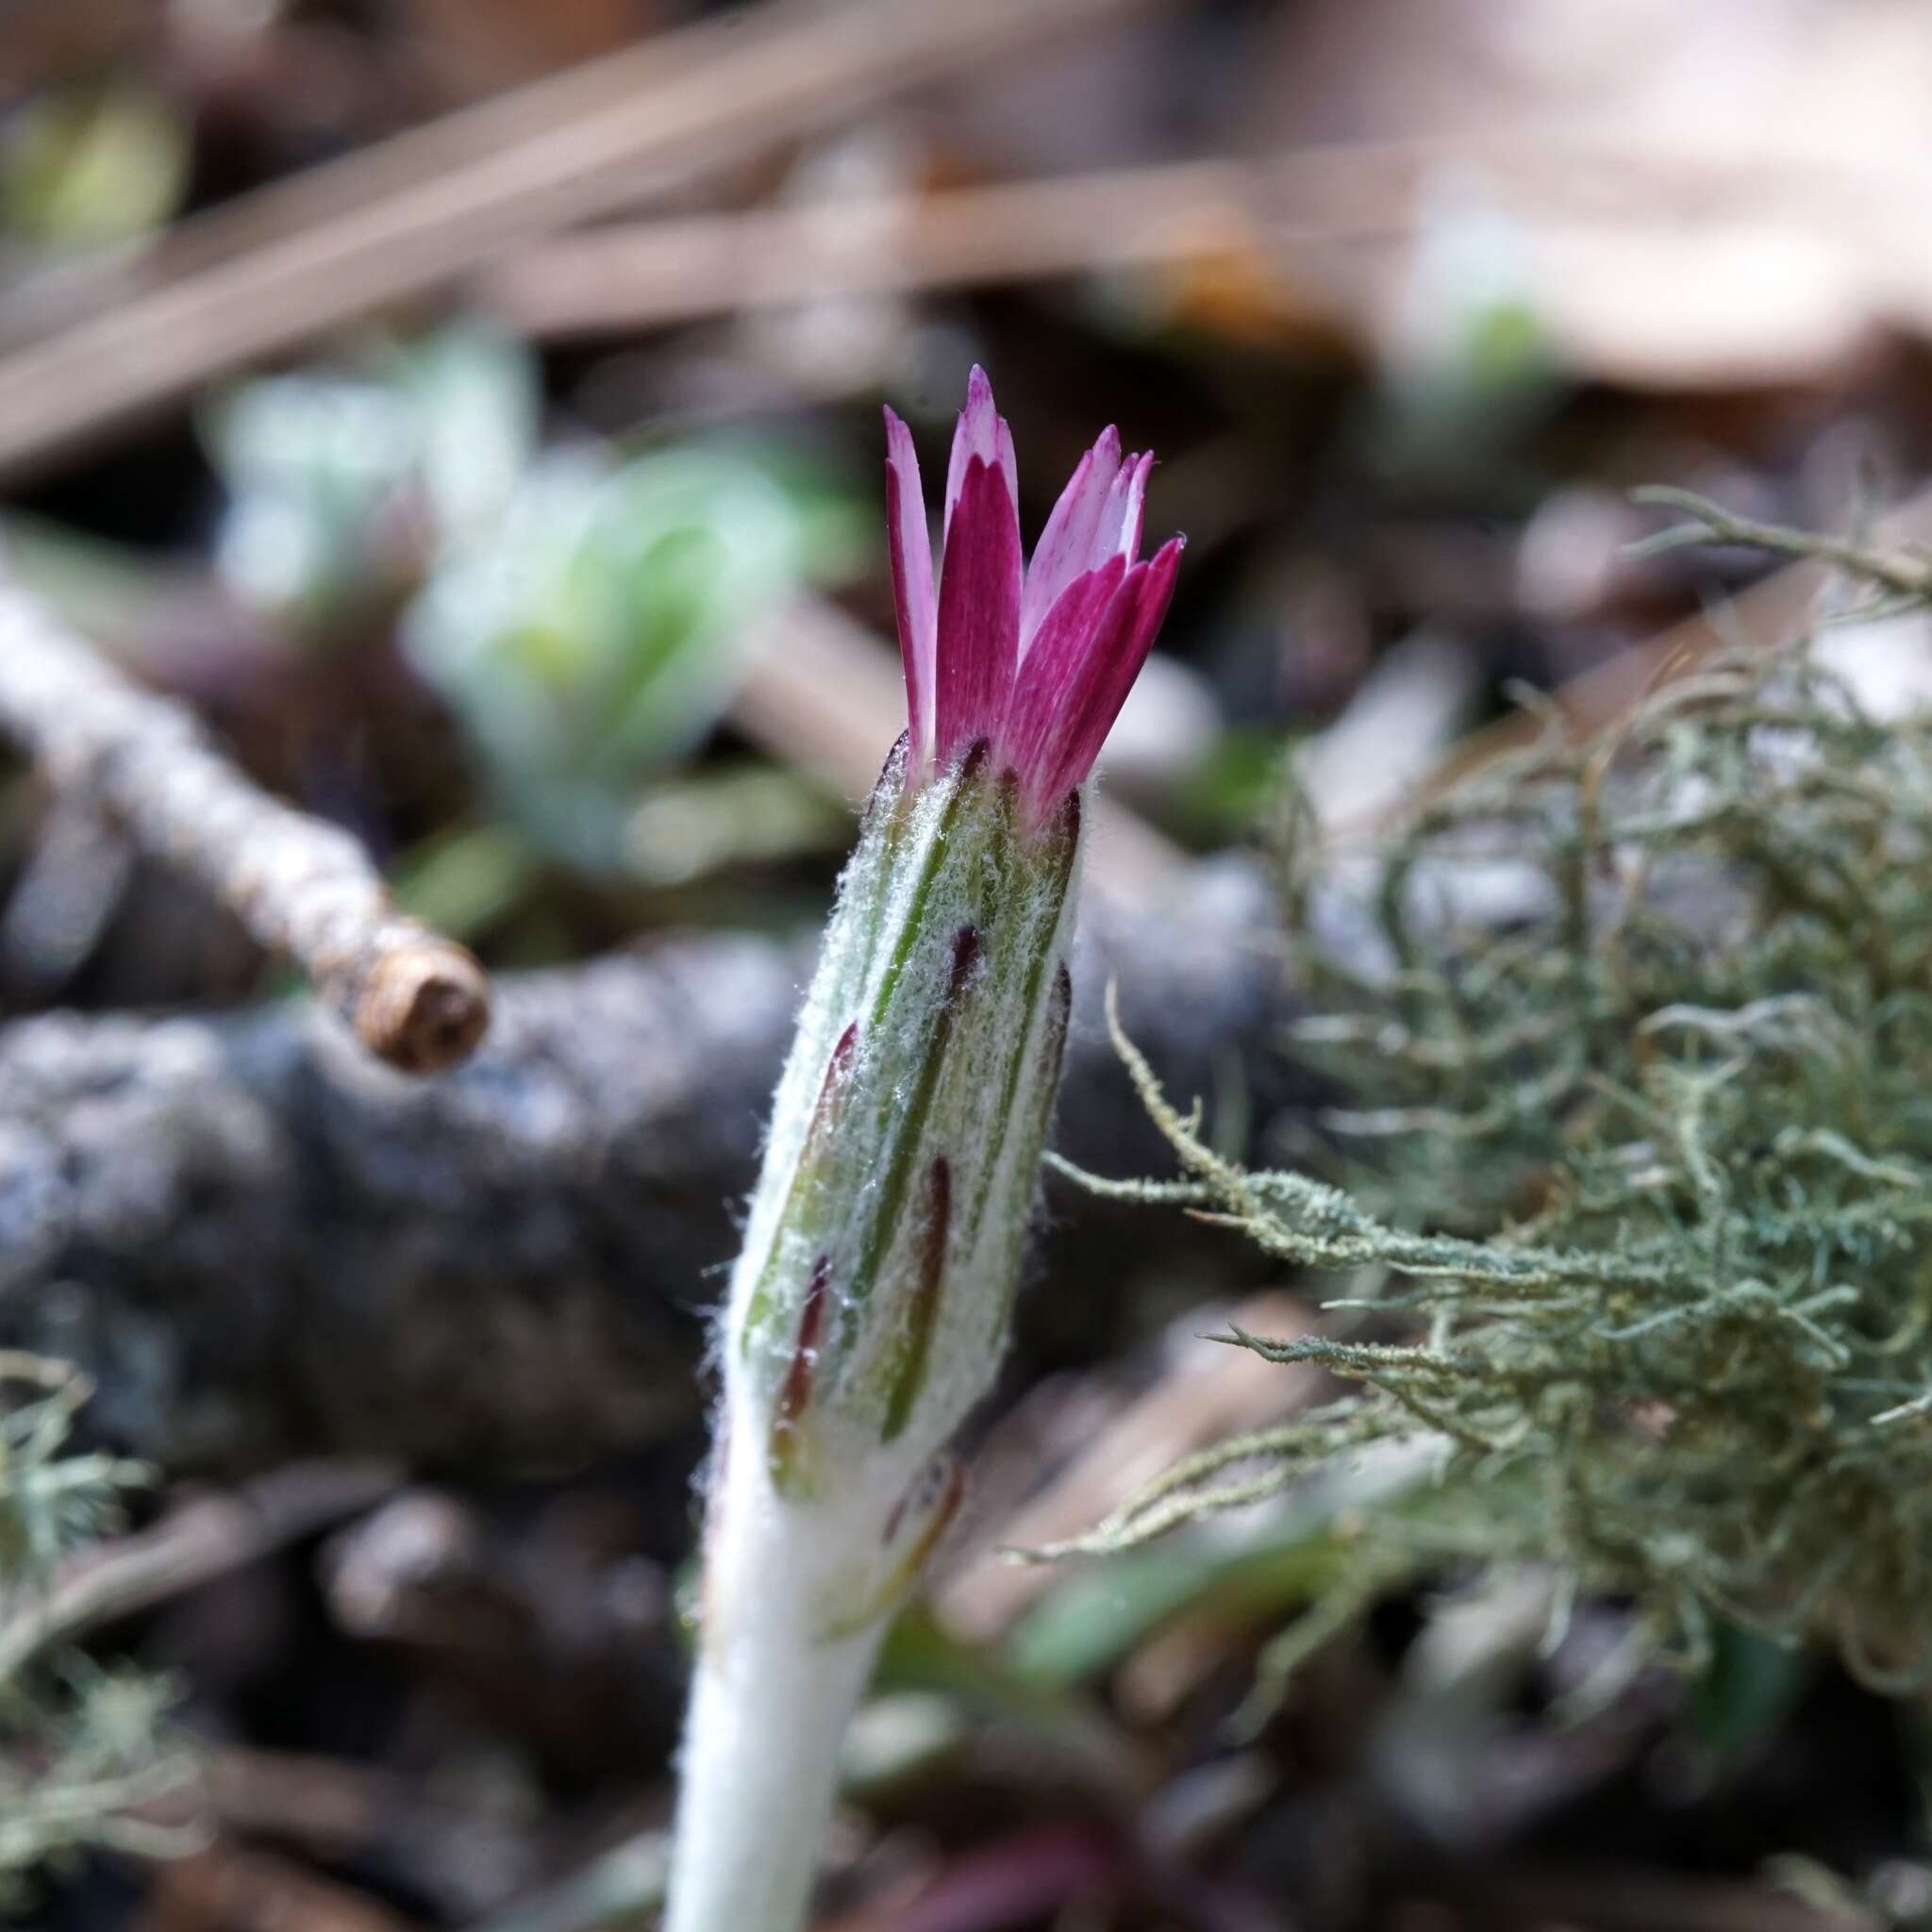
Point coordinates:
pixel 769 1702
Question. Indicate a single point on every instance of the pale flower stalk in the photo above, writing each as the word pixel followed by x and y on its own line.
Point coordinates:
pixel 868 1308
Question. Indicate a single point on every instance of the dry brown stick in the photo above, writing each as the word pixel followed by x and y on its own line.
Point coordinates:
pixel 61 296
pixel 800 66
pixel 302 889
pixel 192 1544
pixel 1308 205
pixel 242 1889
pixel 646 275
pixel 1336 190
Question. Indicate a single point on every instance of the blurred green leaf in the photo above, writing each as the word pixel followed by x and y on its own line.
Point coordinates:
pixel 345 486
pixel 584 612
pixel 1099 1615
pixel 1745 1694
pixel 1321 1539
pixel 598 632
pixel 465 880
pixel 982 1682
pixel 686 827
pixel 1230 789
pixel 86 167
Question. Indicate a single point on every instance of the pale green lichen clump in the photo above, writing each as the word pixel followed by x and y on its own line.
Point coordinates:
pixel 87 1759
pixel 1636 1198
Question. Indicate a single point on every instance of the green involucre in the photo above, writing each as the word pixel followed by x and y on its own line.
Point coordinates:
pixel 892 1216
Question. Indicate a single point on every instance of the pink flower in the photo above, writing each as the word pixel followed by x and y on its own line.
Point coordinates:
pixel 1039 659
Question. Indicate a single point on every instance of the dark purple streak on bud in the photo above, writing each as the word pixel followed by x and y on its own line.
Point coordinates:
pixel 965 957
pixel 794 1392
pixel 896 1185
pixel 832 1087
pixel 945 1489
pixel 927 1509
pixel 1058 1020
pixel 890 786
pixel 808 1180
pixel 881 836
pixel 1063 830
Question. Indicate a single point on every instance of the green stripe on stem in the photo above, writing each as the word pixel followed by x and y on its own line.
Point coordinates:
pixel 913 1345
pixel 805 1197
pixel 1061 845
pixel 965 787
pixel 896 1183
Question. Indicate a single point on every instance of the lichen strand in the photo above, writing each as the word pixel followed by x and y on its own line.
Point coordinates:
pixel 1642 1169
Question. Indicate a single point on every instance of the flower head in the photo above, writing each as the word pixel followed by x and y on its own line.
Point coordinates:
pixel 1037 658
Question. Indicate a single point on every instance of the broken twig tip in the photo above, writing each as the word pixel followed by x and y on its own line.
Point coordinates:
pixel 423 1005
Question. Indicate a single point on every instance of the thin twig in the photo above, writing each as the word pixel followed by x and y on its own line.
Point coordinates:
pixel 305 890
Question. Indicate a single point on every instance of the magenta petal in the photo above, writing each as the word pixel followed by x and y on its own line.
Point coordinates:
pixel 1009 463
pixel 1066 545
pixel 979 612
pixel 1081 690
pixel 980 433
pixel 1118 528
pixel 1137 506
pixel 910 542
pixel 1060 646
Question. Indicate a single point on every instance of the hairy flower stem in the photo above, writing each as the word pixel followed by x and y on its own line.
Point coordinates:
pixel 868 1307
pixel 769 1706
